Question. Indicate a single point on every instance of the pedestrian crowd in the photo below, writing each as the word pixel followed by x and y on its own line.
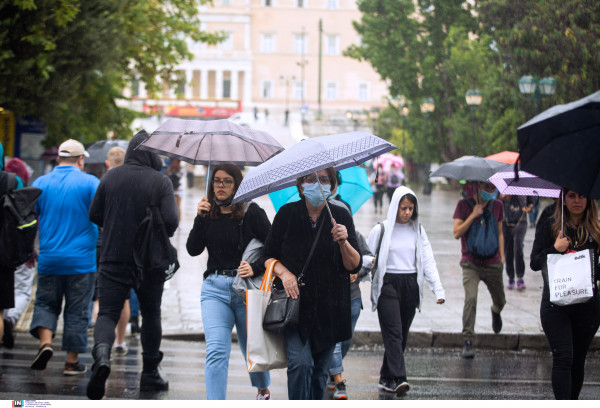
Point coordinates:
pixel 87 257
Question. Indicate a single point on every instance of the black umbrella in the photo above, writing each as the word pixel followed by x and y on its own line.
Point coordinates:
pixel 562 145
pixel 98 150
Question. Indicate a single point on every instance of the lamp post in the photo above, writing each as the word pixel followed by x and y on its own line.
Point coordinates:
pixel 353 117
pixel 286 81
pixel 528 85
pixel 427 106
pixel 302 63
pixel 374 116
pixel 474 98
pixel 404 113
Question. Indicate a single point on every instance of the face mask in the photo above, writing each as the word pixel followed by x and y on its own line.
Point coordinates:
pixel 485 196
pixel 224 203
pixel 312 192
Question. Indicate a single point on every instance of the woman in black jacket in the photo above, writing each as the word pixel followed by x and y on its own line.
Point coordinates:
pixel 224 230
pixel 325 286
pixel 570 329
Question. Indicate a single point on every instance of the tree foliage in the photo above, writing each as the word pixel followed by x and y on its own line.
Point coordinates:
pixel 442 48
pixel 67 61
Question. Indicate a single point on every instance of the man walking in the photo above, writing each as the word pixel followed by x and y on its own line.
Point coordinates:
pixel 119 207
pixel 481 262
pixel 67 258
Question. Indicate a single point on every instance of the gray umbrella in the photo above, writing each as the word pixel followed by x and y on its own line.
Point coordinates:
pixel 469 168
pixel 98 150
pixel 211 142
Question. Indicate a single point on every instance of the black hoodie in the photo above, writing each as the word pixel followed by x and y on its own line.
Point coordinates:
pixel 119 205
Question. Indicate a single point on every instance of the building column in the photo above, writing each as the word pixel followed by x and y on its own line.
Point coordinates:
pixel 234 85
pixel 247 96
pixel 188 87
pixel 204 84
pixel 219 85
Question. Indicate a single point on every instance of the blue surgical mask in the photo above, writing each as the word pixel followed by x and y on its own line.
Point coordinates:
pixel 312 192
pixel 485 196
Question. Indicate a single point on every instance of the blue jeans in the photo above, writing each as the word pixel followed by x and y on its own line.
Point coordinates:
pixel 342 347
pixel 77 291
pixel 307 371
pixel 134 304
pixel 221 309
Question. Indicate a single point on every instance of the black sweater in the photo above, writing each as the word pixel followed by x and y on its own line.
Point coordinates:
pixel 325 298
pixel 222 238
pixel 119 205
pixel 543 244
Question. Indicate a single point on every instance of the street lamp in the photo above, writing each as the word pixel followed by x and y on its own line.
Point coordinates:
pixel 374 116
pixel 302 63
pixel 529 85
pixel 427 106
pixel 286 81
pixel 474 98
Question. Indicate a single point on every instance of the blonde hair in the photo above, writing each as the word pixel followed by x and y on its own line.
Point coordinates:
pixel 115 157
pixel 589 225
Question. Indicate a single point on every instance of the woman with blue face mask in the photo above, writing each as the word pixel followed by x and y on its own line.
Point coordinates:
pixel 325 285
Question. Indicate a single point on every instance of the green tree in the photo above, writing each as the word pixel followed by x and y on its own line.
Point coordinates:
pixel 559 38
pixel 67 61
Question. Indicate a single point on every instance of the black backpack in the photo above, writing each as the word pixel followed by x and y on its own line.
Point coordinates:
pixel 18 221
pixel 154 256
pixel 482 238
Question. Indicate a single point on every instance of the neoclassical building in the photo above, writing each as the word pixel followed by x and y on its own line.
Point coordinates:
pixel 277 55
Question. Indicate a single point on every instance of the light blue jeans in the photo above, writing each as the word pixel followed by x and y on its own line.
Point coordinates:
pixel 221 309
pixel 342 347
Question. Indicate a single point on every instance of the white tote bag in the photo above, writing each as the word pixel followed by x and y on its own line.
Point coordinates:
pixel 264 350
pixel 570 277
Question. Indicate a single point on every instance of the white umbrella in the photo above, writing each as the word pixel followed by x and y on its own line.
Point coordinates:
pixel 309 156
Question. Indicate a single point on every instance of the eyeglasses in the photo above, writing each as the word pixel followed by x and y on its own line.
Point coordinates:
pixel 224 182
pixel 313 179
pixel 488 187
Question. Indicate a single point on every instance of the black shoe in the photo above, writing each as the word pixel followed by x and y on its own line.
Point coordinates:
pixel 402 388
pixel 8 339
pixel 468 350
pixel 135 326
pixel 42 357
pixel 389 385
pixel 496 322
pixel 100 371
pixel 153 382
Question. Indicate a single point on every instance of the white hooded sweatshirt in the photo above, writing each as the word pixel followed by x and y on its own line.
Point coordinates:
pixel 426 267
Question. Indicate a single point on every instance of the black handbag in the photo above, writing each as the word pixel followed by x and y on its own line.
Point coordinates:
pixel 283 311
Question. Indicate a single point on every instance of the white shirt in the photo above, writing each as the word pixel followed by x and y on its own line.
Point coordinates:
pixel 403 247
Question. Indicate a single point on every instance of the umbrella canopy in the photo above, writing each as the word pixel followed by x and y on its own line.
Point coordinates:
pixel 308 156
pixel 469 168
pixel 98 150
pixel 525 185
pixel 354 190
pixel 562 145
pixel 211 142
pixel 387 159
pixel 505 157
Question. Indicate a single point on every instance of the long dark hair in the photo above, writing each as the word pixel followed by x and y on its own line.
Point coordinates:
pixel 236 209
pixel 588 226
pixel 413 200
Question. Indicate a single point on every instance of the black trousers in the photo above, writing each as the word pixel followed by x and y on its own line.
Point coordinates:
pixel 570 331
pixel 513 249
pixel 396 308
pixel 113 288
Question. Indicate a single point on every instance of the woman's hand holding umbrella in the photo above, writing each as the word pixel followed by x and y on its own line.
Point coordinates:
pixel 562 243
pixel 203 206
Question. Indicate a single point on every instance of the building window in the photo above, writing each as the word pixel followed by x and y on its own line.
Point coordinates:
pixel 267 43
pixel 268 3
pixel 299 91
pixel 363 91
pixel 266 89
pixel 300 43
pixel 227 88
pixel 332 44
pixel 300 3
pixel 333 4
pixel 331 90
pixel 225 2
pixel 227 44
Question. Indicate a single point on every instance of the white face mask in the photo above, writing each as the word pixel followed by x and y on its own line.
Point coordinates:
pixel 313 194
